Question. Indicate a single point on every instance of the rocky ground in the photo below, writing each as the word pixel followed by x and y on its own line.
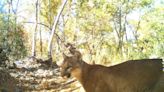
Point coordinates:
pixel 30 76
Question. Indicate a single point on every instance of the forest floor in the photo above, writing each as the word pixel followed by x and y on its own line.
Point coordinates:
pixel 34 77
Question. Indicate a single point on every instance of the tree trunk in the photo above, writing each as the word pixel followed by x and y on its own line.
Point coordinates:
pixel 54 28
pixel 9 13
pixel 34 32
pixel 40 31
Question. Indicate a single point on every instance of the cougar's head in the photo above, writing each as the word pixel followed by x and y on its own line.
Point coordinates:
pixel 70 65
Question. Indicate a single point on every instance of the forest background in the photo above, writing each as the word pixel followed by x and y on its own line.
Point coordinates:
pixel 105 31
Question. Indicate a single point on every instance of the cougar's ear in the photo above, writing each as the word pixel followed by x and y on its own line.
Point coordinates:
pixel 78 55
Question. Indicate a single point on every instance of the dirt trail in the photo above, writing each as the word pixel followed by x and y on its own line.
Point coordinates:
pixel 35 79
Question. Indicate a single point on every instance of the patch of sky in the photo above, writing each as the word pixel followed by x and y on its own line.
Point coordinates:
pixel 2 5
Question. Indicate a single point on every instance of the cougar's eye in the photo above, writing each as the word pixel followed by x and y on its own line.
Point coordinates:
pixel 68 69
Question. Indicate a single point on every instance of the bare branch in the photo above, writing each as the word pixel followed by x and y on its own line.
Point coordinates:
pixel 40 24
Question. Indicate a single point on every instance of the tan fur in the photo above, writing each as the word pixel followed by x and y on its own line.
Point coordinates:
pixel 130 76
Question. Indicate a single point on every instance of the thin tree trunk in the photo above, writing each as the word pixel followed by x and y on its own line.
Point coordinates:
pixel 49 14
pixel 41 45
pixel 120 32
pixel 54 28
pixel 15 15
pixel 40 31
pixel 34 32
pixel 9 12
